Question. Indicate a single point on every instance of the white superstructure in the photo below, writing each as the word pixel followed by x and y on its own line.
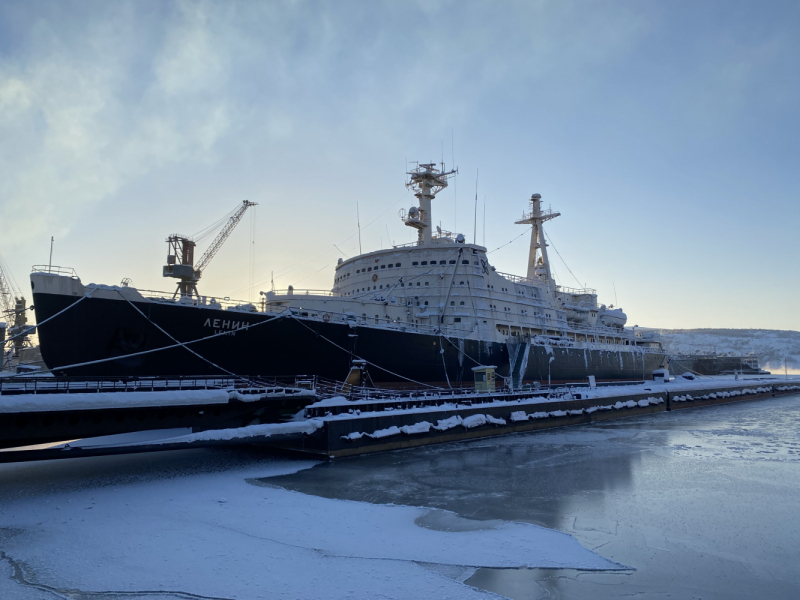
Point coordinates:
pixel 442 283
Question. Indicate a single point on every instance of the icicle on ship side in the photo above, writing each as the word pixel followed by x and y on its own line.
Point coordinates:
pixel 425 312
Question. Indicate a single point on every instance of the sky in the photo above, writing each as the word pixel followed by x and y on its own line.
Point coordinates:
pixel 666 133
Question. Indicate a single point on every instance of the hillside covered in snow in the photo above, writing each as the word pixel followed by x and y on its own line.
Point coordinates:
pixel 771 345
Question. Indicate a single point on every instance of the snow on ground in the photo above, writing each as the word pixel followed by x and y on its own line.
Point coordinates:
pixel 228 535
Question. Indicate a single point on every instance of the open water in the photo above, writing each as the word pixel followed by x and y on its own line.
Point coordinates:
pixel 699 503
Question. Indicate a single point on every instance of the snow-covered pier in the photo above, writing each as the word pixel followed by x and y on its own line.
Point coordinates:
pixel 82 423
pixel 347 428
pixel 50 410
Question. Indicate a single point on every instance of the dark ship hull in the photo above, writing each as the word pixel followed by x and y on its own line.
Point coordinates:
pixel 259 344
pixel 712 364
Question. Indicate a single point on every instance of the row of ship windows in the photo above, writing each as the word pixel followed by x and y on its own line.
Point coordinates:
pixel 413 264
pixel 368 269
pixel 441 262
pixel 378 318
pixel 376 287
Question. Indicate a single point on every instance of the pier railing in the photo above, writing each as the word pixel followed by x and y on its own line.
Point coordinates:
pixel 10 386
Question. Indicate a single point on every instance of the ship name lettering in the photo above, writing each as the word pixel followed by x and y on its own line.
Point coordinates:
pixel 224 324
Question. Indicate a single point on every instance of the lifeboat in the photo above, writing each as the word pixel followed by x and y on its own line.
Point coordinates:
pixel 612 317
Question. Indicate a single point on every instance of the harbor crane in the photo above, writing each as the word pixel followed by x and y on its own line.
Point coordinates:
pixel 13 313
pixel 180 258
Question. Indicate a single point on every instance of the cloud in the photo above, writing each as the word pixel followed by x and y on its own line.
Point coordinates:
pixel 309 107
pixel 73 135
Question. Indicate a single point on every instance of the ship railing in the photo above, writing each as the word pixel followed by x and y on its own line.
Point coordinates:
pixel 10 386
pixel 576 291
pixel 55 270
pixel 225 303
pixel 537 282
pixel 518 279
pixel 296 292
pixel 527 216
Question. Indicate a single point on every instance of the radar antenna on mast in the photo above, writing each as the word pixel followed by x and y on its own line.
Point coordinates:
pixel 425 181
pixel 180 259
pixel 538 263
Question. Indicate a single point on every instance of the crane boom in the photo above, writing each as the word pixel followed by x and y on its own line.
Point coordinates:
pixel 222 236
pixel 7 297
pixel 13 308
pixel 180 260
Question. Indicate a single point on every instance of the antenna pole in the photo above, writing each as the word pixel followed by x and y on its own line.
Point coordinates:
pixel 615 294
pixel 484 220
pixel 50 264
pixel 455 182
pixel 475 216
pixel 358 219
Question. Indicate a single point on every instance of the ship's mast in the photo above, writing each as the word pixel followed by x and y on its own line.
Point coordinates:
pixel 426 181
pixel 538 263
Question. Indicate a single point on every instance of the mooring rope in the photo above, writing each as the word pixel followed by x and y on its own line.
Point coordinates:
pixel 50 318
pixel 170 347
pixel 174 339
pixel 366 361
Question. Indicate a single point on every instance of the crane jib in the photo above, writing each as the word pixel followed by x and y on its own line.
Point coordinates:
pixel 180 260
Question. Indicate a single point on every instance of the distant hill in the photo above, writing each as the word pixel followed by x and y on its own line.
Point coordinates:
pixel 772 345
